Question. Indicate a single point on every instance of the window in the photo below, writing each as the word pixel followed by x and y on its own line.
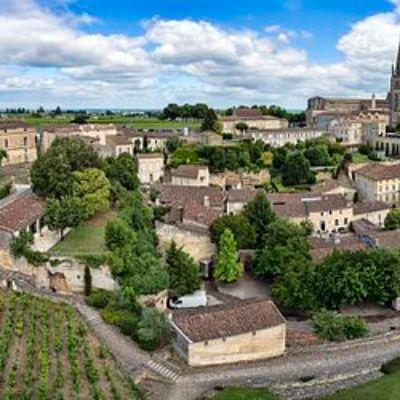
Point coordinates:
pixel 330 212
pixel 25 141
pixel 346 221
pixel 336 222
pixel 6 143
pixel 322 226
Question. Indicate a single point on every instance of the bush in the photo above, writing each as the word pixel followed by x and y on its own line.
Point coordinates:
pixel 99 298
pixel 391 366
pixel 113 316
pixel 153 329
pixel 333 326
pixel 129 323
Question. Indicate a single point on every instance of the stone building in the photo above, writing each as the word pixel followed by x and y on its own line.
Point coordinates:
pixel 123 143
pixel 156 141
pixel 150 167
pixel 379 182
pixel 394 93
pixel 99 132
pixel 191 175
pixel 242 331
pixel 19 141
pixel 321 110
pixel 281 137
pixel 253 118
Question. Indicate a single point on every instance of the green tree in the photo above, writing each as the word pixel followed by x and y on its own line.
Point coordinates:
pixel 173 143
pixel 80 119
pixel 52 173
pixel 118 234
pixel 392 220
pixel 243 231
pixel 259 212
pixel 183 271
pixel 296 169
pixel 88 281
pixel 280 156
pixel 209 121
pixel 92 187
pixel 318 155
pixel 242 127
pixel 184 155
pixel 3 155
pixel 68 212
pixel 153 329
pixel 227 268
pixel 122 169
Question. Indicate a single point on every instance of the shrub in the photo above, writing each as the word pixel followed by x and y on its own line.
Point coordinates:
pixel 88 281
pixel 153 329
pixel 113 316
pixel 129 323
pixel 332 326
pixel 391 366
pixel 99 298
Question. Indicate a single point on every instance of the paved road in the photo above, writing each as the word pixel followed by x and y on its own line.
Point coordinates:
pixel 323 363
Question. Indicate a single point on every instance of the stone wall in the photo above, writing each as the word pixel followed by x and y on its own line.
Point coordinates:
pixel 195 242
pixel 247 347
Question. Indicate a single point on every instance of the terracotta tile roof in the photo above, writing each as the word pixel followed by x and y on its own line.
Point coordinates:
pixel 188 171
pixel 241 195
pixel 326 203
pixel 20 211
pixel 386 239
pixel 248 113
pixel 227 320
pixel 119 140
pixel 200 214
pixel 321 248
pixel 14 125
pixel 179 195
pixel 379 172
pixel 363 226
pixel 368 207
pixel 291 205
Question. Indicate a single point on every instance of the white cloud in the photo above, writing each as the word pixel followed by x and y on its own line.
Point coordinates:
pixel 49 54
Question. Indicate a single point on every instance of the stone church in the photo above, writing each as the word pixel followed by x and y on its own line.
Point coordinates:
pixel 394 94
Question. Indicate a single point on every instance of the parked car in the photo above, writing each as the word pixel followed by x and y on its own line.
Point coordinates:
pixel 194 300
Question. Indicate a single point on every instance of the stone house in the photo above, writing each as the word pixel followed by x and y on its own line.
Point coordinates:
pixel 253 118
pixel 243 331
pixel 237 198
pixel 124 143
pixel 379 182
pixel 156 141
pixel 150 167
pixel 19 141
pixel 99 132
pixel 190 175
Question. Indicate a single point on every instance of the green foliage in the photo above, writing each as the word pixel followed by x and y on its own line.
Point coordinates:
pixel 243 231
pixel 333 326
pixel 227 268
pixel 210 120
pixel 392 220
pixel 183 271
pixel 68 212
pixel 242 126
pixel 99 298
pixel 92 187
pixel 20 243
pixel 118 233
pixel 153 329
pixel 122 169
pixel 52 173
pixel 296 169
pixel 88 281
pixel 259 213
pixel 173 143
pixel 391 366
pixel 184 155
pixel 318 155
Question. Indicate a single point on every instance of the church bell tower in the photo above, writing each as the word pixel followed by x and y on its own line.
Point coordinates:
pixel 394 95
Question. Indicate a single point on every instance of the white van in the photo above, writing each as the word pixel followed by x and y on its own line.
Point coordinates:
pixel 194 300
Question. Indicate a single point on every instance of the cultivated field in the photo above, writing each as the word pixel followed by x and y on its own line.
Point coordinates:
pixel 47 352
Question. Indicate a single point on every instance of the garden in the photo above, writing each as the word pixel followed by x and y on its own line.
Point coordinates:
pixel 48 352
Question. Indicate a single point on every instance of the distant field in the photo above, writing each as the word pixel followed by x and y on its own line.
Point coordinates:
pixel 48 352
pixel 87 239
pixel 139 123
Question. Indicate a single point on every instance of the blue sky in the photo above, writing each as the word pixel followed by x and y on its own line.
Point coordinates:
pixel 98 53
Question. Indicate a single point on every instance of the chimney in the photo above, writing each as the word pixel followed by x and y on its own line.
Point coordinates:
pixel 206 201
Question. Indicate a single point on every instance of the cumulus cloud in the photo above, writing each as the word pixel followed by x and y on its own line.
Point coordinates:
pixel 49 53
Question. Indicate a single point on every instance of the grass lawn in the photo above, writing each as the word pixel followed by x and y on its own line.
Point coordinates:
pixel 386 388
pixel 88 238
pixel 359 158
pixel 245 394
